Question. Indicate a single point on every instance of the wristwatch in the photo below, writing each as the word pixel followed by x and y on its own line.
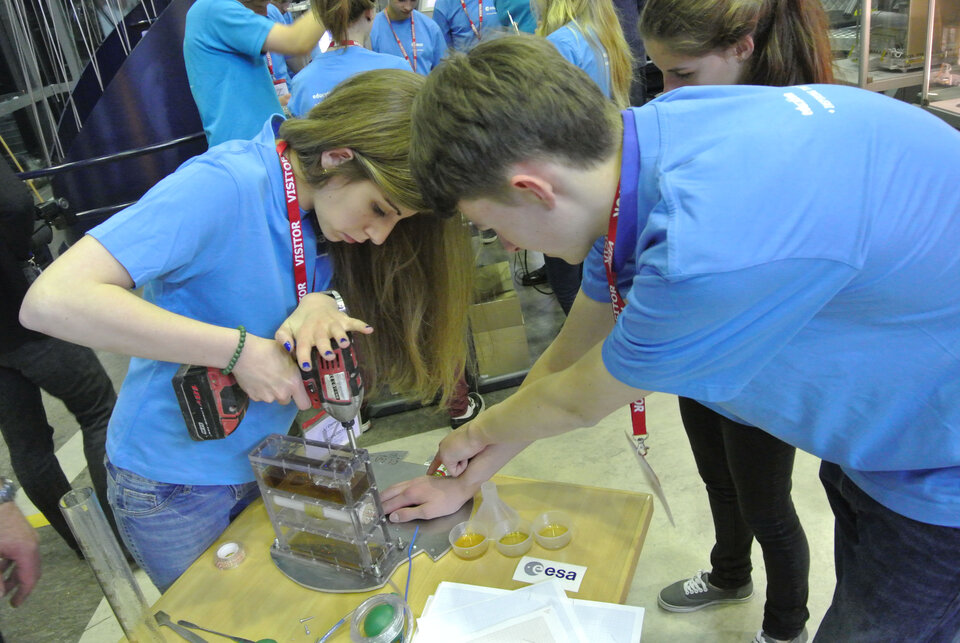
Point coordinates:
pixel 342 307
pixel 8 490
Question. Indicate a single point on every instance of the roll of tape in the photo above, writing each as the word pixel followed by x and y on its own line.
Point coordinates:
pixel 229 555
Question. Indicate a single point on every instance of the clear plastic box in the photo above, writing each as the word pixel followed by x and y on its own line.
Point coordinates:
pixel 324 505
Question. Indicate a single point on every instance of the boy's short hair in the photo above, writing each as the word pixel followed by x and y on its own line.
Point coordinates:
pixel 509 99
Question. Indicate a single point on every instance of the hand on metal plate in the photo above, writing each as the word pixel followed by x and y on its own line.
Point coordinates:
pixel 424 498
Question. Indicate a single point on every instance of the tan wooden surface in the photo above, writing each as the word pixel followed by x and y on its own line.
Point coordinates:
pixel 256 600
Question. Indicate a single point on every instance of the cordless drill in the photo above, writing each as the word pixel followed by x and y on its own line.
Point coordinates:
pixel 336 385
pixel 213 404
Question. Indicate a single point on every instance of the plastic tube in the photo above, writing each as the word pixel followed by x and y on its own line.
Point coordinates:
pixel 103 553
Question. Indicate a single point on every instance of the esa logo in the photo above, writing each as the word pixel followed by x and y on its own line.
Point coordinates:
pixel 536 568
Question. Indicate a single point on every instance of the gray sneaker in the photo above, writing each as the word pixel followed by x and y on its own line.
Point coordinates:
pixel 697 592
pixel 763 637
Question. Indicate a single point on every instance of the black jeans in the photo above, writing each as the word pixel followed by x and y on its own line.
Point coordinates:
pixel 564 279
pixel 74 375
pixel 897 579
pixel 747 473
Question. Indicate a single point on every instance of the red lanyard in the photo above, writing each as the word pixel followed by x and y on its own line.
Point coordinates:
pixel 476 32
pixel 413 41
pixel 296 224
pixel 346 43
pixel 638 413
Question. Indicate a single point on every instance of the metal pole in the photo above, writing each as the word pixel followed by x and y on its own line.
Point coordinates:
pixel 863 73
pixel 928 53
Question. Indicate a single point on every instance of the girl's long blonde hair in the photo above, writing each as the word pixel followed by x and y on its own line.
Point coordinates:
pixel 415 288
pixel 596 19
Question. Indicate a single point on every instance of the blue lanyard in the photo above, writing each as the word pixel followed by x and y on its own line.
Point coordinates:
pixel 629 182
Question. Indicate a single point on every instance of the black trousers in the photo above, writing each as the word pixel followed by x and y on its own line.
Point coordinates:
pixel 564 279
pixel 74 375
pixel 748 473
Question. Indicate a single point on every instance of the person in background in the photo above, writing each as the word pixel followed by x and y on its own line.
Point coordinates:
pixel 215 247
pixel 516 15
pixel 277 63
pixel 19 550
pixel 464 23
pixel 349 21
pixel 749 269
pixel 747 471
pixel 277 11
pixel 224 43
pixel 588 34
pixel 628 11
pixel 31 362
pixel 401 30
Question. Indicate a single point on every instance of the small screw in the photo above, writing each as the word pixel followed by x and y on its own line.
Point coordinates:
pixel 306 629
pixel 305 619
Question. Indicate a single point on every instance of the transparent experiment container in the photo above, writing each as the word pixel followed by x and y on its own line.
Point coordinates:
pixel 324 504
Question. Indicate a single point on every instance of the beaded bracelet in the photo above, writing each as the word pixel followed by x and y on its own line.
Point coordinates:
pixel 236 353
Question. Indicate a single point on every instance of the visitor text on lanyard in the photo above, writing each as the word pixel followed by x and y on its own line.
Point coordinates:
pixel 296 222
pixel 625 199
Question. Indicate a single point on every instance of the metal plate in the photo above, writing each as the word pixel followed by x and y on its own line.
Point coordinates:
pixel 388 469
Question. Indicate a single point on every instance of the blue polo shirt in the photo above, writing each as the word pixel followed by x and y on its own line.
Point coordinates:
pixel 586 53
pixel 794 266
pixel 318 79
pixel 431 46
pixel 454 22
pixel 229 80
pixel 210 242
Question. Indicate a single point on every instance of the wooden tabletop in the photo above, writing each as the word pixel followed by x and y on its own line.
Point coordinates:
pixel 256 600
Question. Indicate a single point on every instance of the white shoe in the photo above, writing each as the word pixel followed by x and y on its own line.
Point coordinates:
pixel 763 637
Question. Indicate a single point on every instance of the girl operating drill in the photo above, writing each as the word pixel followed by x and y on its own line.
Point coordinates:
pixel 233 252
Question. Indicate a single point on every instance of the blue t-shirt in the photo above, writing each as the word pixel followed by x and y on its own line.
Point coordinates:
pixel 587 54
pixel 280 70
pixel 431 46
pixel 317 79
pixel 796 268
pixel 229 80
pixel 210 242
pixel 454 22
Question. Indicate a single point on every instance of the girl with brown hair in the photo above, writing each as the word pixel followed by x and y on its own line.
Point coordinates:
pixel 234 251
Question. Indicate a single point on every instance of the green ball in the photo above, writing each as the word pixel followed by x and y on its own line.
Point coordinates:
pixel 378 619
pixel 266 641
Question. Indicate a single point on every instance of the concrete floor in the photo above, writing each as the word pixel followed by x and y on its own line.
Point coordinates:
pixel 67 604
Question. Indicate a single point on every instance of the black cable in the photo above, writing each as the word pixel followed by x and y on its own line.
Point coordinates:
pixel 526 271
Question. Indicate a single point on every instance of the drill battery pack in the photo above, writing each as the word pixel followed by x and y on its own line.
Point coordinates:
pixel 213 404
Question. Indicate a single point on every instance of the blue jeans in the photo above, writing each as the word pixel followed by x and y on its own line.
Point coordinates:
pixel 167 526
pixel 748 474
pixel 897 579
pixel 74 375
